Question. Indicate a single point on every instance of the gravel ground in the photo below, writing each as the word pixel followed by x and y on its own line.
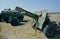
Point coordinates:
pixel 24 31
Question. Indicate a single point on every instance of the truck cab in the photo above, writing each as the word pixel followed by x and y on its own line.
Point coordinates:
pixel 8 15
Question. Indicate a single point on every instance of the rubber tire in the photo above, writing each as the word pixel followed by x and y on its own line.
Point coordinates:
pixel 14 22
pixel 47 28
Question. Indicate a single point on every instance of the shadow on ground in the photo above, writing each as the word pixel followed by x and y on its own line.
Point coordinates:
pixel 22 23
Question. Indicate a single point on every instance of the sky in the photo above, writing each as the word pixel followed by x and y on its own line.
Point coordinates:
pixel 31 5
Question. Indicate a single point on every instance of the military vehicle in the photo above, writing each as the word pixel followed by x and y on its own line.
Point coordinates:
pixel 11 16
pixel 41 21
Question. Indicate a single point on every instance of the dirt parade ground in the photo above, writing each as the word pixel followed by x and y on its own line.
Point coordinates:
pixel 22 31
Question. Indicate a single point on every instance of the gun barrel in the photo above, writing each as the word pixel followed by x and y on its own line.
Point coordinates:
pixel 25 12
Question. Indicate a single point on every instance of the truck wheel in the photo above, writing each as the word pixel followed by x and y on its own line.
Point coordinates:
pixel 49 30
pixel 14 22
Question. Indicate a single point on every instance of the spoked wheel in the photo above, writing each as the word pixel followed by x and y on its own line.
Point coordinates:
pixel 49 31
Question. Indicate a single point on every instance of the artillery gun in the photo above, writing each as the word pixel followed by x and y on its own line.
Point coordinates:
pixel 42 21
pixel 11 16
